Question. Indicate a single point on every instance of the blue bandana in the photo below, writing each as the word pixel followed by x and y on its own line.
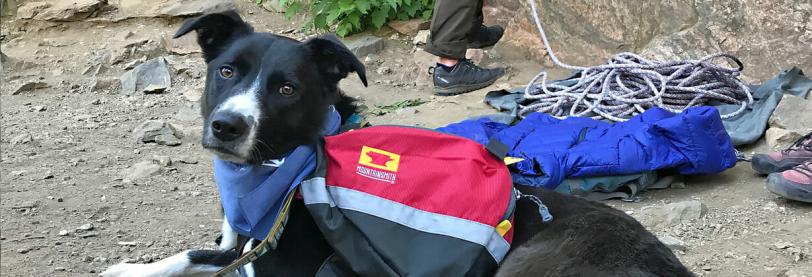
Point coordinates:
pixel 252 195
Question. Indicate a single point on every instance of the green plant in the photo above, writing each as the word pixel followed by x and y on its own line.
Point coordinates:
pixel 385 109
pixel 351 16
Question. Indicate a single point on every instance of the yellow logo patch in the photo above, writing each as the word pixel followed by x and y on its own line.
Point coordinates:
pixel 379 159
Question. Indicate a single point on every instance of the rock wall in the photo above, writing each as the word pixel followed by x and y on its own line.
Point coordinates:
pixel 766 35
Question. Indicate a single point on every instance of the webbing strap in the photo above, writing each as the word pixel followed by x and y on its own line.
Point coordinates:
pixel 268 243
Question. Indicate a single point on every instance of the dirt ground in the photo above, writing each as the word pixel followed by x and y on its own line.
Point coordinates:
pixel 66 210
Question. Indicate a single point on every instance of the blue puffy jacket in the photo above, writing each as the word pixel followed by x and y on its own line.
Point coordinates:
pixel 692 142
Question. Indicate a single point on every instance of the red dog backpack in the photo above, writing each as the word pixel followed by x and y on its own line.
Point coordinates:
pixel 405 201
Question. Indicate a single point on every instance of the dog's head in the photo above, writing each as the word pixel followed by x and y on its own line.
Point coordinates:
pixel 265 94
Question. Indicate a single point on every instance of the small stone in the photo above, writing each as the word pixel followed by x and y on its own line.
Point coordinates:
pixel 150 130
pixel 163 160
pixel 128 243
pixel 22 139
pixel 193 94
pixel 141 170
pixel 86 227
pixel 678 185
pixel 29 86
pixel 186 160
pixel 168 140
pixel 783 245
pixel 475 55
pixel 59 268
pixel 672 214
pixel 153 88
pixel 673 243
pixel 383 70
pixel 40 108
pixel 96 102
pixel 23 250
pixel 63 233
pixel 363 45
pixel 422 37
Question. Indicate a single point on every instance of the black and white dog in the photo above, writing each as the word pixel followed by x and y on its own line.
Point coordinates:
pixel 266 94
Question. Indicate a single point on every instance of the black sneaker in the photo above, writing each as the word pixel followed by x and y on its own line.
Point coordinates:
pixel 464 77
pixel 487 37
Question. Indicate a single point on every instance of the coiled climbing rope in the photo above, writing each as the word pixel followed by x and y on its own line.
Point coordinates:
pixel 629 84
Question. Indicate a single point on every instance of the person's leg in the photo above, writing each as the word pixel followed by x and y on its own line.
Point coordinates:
pixel 451 26
pixel 454 23
pixel 481 36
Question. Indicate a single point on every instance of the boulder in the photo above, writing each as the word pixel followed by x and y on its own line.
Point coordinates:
pixel 60 10
pixel 793 113
pixel 364 44
pixel 153 73
pixel 584 32
pixel 409 27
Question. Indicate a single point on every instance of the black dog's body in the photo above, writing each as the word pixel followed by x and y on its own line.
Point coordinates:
pixel 267 94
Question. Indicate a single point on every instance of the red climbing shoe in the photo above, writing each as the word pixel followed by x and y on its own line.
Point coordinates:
pixel 795 183
pixel 778 161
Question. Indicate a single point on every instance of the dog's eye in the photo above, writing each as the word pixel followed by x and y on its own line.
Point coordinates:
pixel 226 72
pixel 286 90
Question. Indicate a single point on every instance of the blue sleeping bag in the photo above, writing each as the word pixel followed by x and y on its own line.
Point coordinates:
pixel 692 142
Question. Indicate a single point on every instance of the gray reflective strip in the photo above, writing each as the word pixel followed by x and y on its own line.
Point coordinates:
pixel 314 192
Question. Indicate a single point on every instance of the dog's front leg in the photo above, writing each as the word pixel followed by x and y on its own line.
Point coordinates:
pixel 186 263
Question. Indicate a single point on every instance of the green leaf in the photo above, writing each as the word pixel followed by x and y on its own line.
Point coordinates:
pixel 363 6
pixel 355 19
pixel 333 15
pixel 293 9
pixel 410 10
pixel 320 21
pixel 258 2
pixel 427 14
pixel 379 17
pixel 344 28
pixel 346 5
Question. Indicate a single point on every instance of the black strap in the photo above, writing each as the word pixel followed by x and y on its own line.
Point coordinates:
pixel 497 148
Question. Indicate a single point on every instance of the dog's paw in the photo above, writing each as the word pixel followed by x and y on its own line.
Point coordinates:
pixel 125 270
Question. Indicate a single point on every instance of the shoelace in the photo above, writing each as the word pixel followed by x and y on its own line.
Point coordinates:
pixel 804 168
pixel 804 142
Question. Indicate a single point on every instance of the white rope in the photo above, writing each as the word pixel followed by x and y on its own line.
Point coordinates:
pixel 629 84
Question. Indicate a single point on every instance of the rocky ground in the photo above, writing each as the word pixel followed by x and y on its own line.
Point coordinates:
pixel 101 161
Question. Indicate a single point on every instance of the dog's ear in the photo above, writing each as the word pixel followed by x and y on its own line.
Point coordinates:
pixel 215 31
pixel 334 59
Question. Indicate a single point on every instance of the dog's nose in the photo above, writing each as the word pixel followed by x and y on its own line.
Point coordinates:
pixel 228 126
